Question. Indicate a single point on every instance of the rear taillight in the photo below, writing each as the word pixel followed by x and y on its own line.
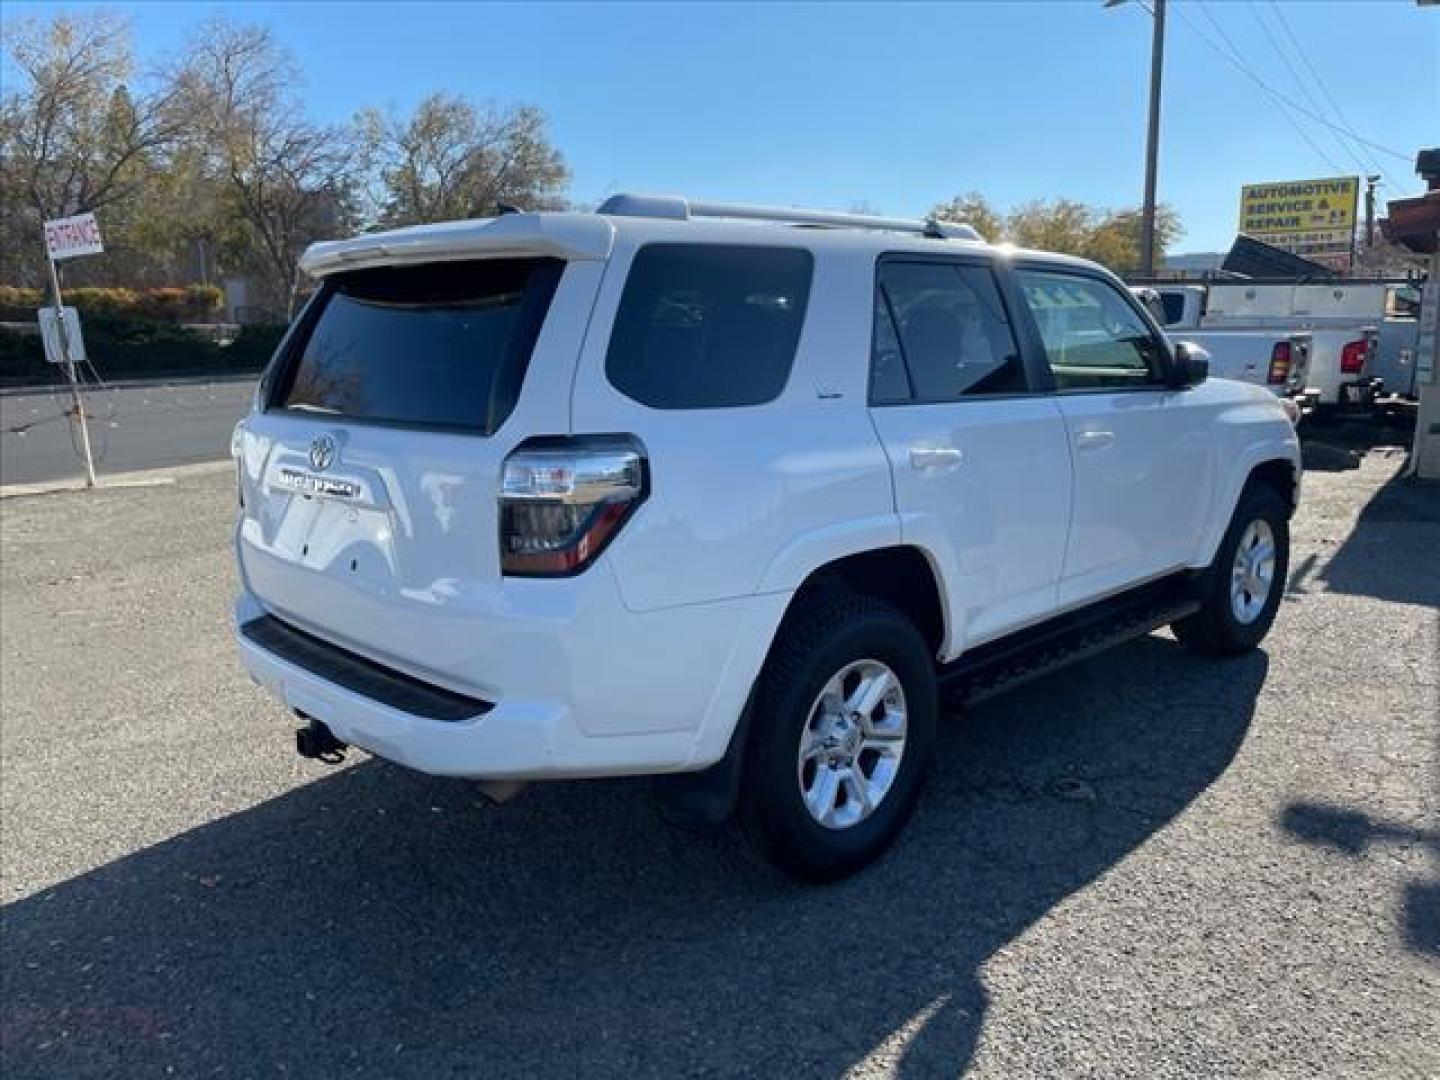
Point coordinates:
pixel 1352 358
pixel 563 499
pixel 1279 364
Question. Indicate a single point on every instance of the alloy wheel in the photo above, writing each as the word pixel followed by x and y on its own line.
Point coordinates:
pixel 1253 574
pixel 852 744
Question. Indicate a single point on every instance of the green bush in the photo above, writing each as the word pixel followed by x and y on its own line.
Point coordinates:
pixel 125 348
pixel 22 358
pixel 254 346
pixel 188 303
pixel 18 305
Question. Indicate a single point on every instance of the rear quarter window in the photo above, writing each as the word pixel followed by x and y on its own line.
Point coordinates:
pixel 705 326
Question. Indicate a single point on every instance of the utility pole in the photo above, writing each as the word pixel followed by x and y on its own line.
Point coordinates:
pixel 1152 144
pixel 1371 183
pixel 1152 138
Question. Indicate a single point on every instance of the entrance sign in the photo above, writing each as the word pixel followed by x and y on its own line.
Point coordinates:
pixel 67 237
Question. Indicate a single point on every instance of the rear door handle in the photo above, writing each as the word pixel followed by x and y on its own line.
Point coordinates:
pixel 928 458
pixel 1094 440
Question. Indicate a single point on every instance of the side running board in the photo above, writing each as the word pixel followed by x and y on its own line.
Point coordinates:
pixel 1019 658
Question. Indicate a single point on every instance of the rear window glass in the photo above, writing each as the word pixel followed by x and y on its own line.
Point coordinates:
pixel 440 345
pixel 705 326
pixel 953 337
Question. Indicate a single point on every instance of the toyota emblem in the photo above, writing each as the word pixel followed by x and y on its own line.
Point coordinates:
pixel 322 452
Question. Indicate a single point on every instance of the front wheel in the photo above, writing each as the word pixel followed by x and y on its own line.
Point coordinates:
pixel 844 727
pixel 1240 591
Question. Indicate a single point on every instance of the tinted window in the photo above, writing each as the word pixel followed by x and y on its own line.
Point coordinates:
pixel 1093 337
pixel 440 345
pixel 1174 307
pixel 888 382
pixel 702 326
pixel 953 335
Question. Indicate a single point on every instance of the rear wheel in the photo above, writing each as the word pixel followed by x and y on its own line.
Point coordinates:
pixel 1240 591
pixel 843 733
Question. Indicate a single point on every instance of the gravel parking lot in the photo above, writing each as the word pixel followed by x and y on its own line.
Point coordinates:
pixel 1148 865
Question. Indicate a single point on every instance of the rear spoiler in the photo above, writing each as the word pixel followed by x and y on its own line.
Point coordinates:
pixel 562 236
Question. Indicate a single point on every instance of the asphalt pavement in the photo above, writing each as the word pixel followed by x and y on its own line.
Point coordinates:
pixel 150 426
pixel 1149 865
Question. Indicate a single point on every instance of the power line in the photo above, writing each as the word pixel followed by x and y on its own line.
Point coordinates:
pixel 1244 69
pixel 1281 52
pixel 1325 90
pixel 1239 61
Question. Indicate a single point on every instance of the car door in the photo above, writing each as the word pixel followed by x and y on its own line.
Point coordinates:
pixel 979 458
pixel 1142 461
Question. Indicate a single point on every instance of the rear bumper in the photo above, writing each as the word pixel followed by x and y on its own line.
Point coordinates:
pixel 701 659
pixel 1351 395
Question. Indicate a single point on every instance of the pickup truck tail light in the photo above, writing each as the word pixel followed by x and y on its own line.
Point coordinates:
pixel 563 499
pixel 1352 357
pixel 1279 364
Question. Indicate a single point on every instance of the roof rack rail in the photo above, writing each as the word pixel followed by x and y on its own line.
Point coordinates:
pixel 679 208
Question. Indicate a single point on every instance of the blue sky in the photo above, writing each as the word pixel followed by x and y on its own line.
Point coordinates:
pixel 897 106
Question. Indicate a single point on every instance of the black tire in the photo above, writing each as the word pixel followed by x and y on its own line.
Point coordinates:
pixel 816 642
pixel 1215 630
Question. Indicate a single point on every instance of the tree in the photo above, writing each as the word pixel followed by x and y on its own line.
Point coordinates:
pixel 75 135
pixel 1115 239
pixel 972 209
pixel 1062 225
pixel 453 159
pixel 286 180
pixel 1109 237
pixel 212 163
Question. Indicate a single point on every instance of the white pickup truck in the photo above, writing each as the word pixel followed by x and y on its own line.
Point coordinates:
pixel 1342 338
pixel 1278 360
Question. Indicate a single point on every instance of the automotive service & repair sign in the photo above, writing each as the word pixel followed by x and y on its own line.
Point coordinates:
pixel 1313 218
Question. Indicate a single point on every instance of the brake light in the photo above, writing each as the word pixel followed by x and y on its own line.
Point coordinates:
pixel 1352 358
pixel 1279 364
pixel 563 499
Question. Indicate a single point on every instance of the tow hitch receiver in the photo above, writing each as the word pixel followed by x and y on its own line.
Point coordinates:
pixel 319 742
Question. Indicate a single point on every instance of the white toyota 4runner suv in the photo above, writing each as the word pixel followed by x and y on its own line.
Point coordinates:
pixel 731 496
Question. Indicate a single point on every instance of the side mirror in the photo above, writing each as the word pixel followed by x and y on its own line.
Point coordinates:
pixel 1192 365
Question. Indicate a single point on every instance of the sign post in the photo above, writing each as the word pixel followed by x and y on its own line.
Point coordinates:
pixel 66 238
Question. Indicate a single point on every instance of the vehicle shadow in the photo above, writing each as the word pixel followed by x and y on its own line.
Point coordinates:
pixel 1399 527
pixel 1339 446
pixel 382 923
